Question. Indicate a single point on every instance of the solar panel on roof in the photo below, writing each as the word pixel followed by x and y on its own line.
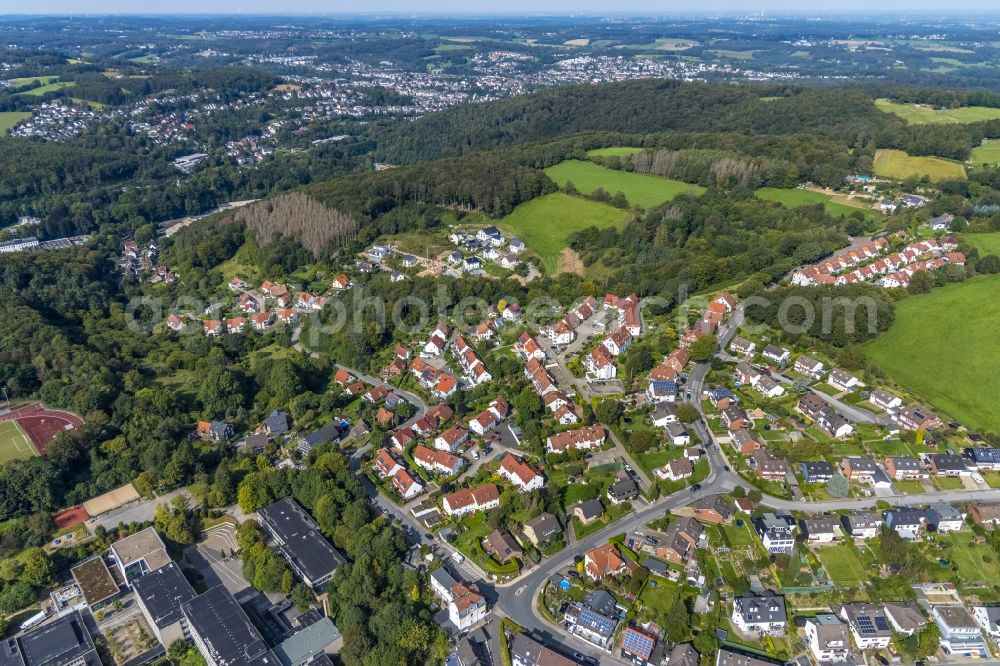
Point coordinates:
pixel 638 644
pixel 881 623
pixel 866 626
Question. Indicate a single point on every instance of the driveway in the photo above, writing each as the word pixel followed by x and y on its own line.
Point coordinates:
pixel 136 512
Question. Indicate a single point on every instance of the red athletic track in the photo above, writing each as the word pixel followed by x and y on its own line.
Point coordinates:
pixel 42 424
pixel 70 517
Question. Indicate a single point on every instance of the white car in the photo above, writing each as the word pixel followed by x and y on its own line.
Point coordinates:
pixel 458 558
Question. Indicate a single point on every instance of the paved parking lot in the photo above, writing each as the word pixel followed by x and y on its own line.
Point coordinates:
pixel 213 558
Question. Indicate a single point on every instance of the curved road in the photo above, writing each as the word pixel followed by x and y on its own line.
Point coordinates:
pixel 517 599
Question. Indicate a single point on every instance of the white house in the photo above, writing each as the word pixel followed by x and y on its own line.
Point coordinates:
pixel 828 639
pixel 868 624
pixel 759 615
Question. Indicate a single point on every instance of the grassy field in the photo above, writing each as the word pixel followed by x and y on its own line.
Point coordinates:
pixel 988 152
pixel 922 115
pixel 25 80
pixel 941 346
pixel 14 442
pixel 49 87
pixel 795 197
pixel 898 165
pixel 546 223
pixel 657 598
pixel 985 243
pixel 10 118
pixel 639 188
pixel 614 151
pixel 975 562
pixel 842 564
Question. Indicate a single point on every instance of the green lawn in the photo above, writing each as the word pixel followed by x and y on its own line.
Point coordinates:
pixel 842 564
pixel 10 118
pixel 614 151
pixel 942 347
pixel 49 87
pixel 657 598
pixel 899 165
pixel 922 115
pixel 912 487
pixel 975 562
pixel 639 188
pixel 14 442
pixel 738 536
pixel 794 197
pixel 985 243
pixel 546 223
pixel 25 80
pixel 888 447
pixel 988 152
pixel 948 482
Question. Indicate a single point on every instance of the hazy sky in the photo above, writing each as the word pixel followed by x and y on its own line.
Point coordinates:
pixel 480 6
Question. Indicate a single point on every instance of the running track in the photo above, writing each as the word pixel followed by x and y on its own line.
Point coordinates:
pixel 42 424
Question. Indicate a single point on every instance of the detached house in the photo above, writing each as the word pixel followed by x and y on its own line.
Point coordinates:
pixel 451 439
pixel 828 639
pixel 776 533
pixel 905 522
pixel 915 417
pixel 777 354
pixel 742 346
pixel 904 467
pixel 861 524
pixel 885 400
pixel 868 624
pixel 944 518
pixel 818 529
pixel 603 561
pixel 841 380
pixel 858 469
pixel 759 615
pixel 808 366
pixel 947 464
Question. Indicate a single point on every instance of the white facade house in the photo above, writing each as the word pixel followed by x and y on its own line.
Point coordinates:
pixel 759 615
pixel 828 639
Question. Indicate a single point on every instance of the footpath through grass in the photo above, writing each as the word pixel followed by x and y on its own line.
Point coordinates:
pixel 899 165
pixel 942 347
pixel 639 188
pixel 546 223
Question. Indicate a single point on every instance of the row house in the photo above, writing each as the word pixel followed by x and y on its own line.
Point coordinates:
pixel 523 476
pixel 451 439
pixel 471 362
pixel 437 341
pixel 599 364
pixel 915 417
pixel 437 462
pixel 586 438
pixel 406 485
pixel 900 468
pixel 385 464
pixel 809 366
pixel 539 377
pixel 308 301
pixel 745 441
pixel 528 348
pixel 629 312
pixel 236 324
pixel 490 417
pixel 768 467
pixel 465 501
pixel 982 458
pixel 885 400
pixel 858 469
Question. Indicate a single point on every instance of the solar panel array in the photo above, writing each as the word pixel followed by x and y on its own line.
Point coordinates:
pixel 637 643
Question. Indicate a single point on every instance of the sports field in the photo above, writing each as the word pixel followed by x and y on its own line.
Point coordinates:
pixel 988 243
pixel 923 115
pixel 546 223
pixel 614 151
pixel 14 442
pixel 942 347
pixel 10 118
pixel 797 197
pixel 899 165
pixel 639 188
pixel 988 152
